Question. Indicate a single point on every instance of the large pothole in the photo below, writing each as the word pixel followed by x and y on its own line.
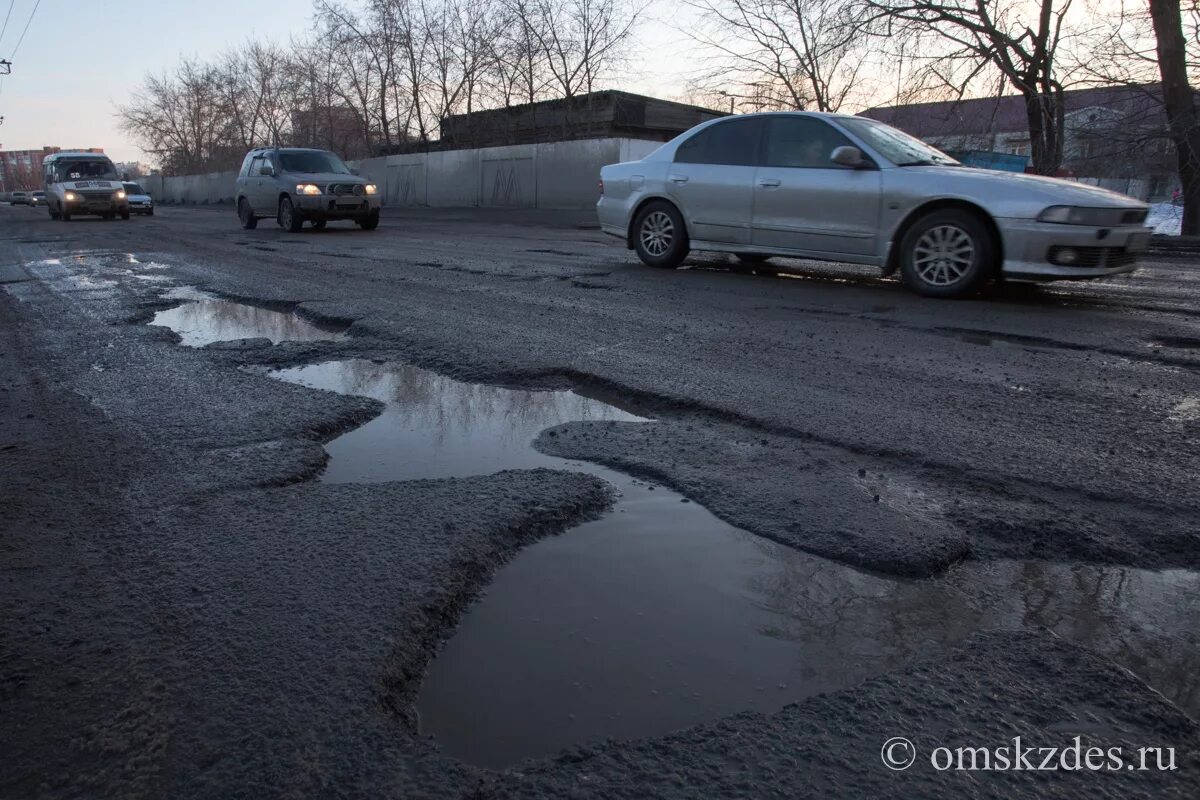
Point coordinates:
pixel 205 319
pixel 659 615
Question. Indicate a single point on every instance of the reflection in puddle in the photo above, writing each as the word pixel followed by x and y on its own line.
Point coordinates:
pixel 437 427
pixel 205 319
pixel 659 616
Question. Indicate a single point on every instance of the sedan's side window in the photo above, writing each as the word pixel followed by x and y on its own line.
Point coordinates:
pixel 802 142
pixel 734 143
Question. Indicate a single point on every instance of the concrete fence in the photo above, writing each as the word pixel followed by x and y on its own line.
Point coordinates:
pixel 549 175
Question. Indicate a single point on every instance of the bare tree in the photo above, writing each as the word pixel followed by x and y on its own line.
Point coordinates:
pixel 581 39
pixel 1019 39
pixel 522 73
pixel 781 53
pixel 179 118
pixel 377 74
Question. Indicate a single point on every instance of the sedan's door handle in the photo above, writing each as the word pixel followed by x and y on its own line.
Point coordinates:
pixel 769 183
pixel 679 178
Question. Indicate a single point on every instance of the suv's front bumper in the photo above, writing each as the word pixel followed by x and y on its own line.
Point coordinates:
pixel 1033 249
pixel 325 206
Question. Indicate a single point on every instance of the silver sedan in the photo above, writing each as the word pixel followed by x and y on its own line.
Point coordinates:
pixel 843 188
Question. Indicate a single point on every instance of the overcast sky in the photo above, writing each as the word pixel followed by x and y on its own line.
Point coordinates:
pixel 80 60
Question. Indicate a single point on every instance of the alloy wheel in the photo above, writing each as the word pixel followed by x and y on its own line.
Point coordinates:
pixel 943 255
pixel 658 233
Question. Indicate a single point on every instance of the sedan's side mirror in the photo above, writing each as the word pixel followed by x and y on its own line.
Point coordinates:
pixel 846 156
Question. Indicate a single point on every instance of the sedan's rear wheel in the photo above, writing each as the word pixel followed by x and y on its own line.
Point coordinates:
pixel 947 253
pixel 659 235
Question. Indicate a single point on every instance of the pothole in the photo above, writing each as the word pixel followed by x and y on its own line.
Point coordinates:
pixel 205 319
pixel 659 616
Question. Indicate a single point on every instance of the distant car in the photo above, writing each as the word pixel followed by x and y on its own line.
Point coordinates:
pixel 844 188
pixel 295 185
pixel 37 198
pixel 19 199
pixel 139 201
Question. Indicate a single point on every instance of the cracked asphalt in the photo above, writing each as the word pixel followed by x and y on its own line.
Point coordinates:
pixel 185 613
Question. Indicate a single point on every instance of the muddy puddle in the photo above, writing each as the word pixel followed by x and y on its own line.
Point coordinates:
pixel 205 319
pixel 659 615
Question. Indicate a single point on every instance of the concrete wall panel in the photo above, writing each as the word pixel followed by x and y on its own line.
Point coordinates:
pixel 548 175
pixel 507 181
pixel 407 184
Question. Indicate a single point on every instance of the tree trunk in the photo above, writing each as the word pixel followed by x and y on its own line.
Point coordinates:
pixel 1180 106
pixel 1044 113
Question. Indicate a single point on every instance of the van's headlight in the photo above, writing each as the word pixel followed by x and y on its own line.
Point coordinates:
pixel 307 188
pixel 70 197
pixel 1077 215
pixel 371 189
pixel 120 194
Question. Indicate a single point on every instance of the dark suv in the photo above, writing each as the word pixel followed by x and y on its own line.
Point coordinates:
pixel 294 184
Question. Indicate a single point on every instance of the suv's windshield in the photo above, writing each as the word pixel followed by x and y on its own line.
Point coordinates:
pixel 86 170
pixel 897 146
pixel 133 188
pixel 311 162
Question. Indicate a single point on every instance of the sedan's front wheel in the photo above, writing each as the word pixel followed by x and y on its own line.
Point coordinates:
pixel 659 236
pixel 947 253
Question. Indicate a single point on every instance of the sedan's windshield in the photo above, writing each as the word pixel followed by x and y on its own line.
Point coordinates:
pixel 133 188
pixel 86 170
pixel 897 146
pixel 312 162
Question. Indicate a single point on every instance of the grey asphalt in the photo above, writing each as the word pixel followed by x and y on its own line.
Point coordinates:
pixel 184 613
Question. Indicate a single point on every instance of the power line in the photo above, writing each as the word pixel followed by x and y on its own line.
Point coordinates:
pixel 31 14
pixel 4 30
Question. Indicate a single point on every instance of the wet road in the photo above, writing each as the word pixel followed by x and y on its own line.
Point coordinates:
pixel 920 470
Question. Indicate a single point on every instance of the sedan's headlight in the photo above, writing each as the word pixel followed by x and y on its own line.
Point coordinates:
pixel 371 188
pixel 307 188
pixel 120 194
pixel 1099 217
pixel 70 197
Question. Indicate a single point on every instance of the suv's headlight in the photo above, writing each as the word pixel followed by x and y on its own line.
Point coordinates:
pixel 371 188
pixel 1080 215
pixel 120 194
pixel 307 188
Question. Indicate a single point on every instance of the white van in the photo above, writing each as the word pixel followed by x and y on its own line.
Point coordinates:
pixel 83 183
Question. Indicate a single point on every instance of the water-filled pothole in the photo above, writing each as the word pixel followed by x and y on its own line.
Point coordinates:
pixel 205 319
pixel 659 615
